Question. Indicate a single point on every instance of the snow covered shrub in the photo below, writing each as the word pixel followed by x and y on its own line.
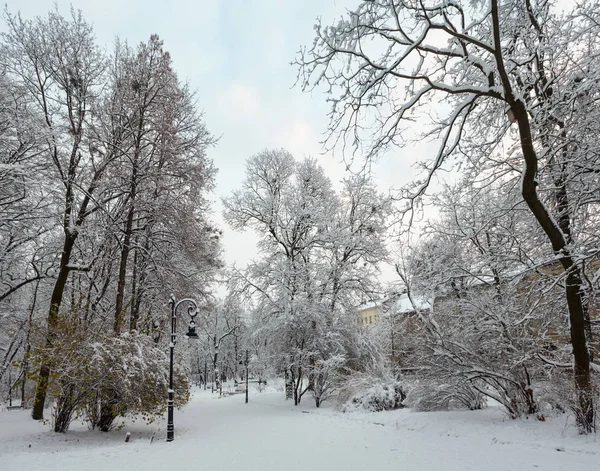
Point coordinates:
pixel 558 395
pixel 326 376
pixel 440 390
pixel 371 392
pixel 429 396
pixel 100 376
pixel 486 339
pixel 132 376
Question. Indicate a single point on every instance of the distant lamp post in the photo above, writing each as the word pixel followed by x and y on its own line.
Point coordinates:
pixel 192 310
pixel 246 376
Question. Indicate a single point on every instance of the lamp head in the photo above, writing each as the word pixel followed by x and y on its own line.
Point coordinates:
pixel 191 333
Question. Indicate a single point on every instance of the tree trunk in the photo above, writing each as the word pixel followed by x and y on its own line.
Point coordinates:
pixel 563 218
pixel 235 362
pixel 216 374
pixel 55 302
pixel 119 314
pixel 573 289
pixel 288 385
pixel 139 277
pixel 135 305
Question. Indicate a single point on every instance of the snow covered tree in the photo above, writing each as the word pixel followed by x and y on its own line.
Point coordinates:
pixel 161 139
pixel 120 207
pixel 467 71
pixel 222 323
pixel 59 65
pixel 319 252
pixel 25 222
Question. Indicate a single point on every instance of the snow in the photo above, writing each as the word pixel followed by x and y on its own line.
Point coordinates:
pixel 270 433
pixel 403 305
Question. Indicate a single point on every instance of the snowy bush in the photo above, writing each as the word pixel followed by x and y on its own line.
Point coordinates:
pixel 101 377
pixel 431 396
pixel 558 395
pixel 326 376
pixel 133 378
pixel 371 392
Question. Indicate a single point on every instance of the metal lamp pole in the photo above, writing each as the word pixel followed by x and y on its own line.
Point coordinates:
pixel 246 376
pixel 192 309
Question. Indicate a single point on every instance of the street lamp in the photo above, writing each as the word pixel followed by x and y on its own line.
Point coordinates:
pixel 192 310
pixel 246 376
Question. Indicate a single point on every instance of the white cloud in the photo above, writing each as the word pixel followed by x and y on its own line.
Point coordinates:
pixel 242 102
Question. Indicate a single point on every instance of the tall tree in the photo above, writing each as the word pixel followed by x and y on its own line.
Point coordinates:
pixel 319 250
pixel 161 136
pixel 60 66
pixel 467 65
pixel 119 147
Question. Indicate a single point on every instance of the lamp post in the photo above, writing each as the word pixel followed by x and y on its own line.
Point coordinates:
pixel 246 376
pixel 192 310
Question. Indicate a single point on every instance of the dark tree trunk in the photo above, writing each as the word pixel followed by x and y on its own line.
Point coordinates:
pixel 215 357
pixel 235 363
pixel 119 312
pixel 564 222
pixel 574 287
pixel 135 303
pixel 139 278
pixel 288 385
pixel 55 302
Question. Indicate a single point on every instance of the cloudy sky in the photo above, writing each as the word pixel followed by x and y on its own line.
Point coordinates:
pixel 237 55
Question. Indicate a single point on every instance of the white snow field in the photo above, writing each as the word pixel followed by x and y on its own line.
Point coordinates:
pixel 270 433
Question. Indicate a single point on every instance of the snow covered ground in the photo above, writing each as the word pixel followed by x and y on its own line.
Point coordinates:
pixel 271 434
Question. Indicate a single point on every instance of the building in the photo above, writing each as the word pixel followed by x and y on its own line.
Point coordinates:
pixel 394 305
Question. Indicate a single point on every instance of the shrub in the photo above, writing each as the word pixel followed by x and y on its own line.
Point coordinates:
pixel 431 396
pixel 132 377
pixel 367 391
pixel 101 377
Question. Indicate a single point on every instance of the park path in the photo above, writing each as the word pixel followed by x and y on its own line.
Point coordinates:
pixel 269 433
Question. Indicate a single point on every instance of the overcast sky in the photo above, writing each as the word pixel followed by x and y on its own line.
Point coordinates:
pixel 237 55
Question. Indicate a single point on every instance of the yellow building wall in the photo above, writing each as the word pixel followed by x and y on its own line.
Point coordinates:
pixel 369 315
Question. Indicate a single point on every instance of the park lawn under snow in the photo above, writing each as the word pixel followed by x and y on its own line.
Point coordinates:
pixel 270 433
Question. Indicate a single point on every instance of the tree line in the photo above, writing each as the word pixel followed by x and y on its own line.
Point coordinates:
pixel 104 213
pixel 104 178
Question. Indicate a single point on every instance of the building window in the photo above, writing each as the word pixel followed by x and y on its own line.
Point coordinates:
pixel 370 320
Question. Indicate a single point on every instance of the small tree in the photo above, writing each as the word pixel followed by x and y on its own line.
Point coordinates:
pixel 327 374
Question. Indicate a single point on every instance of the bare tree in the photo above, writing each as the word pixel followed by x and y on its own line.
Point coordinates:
pixel 319 252
pixel 121 151
pixel 466 65
pixel 60 66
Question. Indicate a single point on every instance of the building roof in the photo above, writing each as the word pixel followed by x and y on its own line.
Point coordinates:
pixel 397 304
pixel 403 305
